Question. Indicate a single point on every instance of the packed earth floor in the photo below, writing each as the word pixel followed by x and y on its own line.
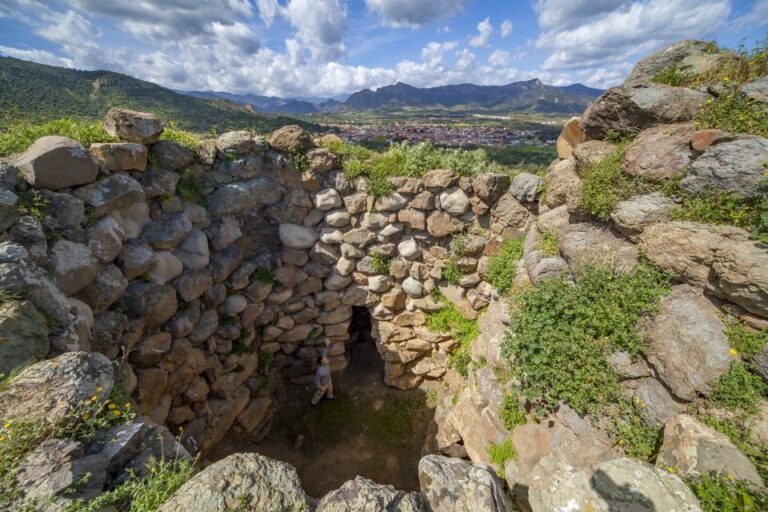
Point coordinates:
pixel 369 429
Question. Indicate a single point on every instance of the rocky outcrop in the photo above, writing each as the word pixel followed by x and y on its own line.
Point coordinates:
pixel 453 485
pixel 361 494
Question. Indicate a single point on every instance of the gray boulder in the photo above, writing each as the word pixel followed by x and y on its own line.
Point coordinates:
pixel 238 142
pixel 631 216
pixel 362 495
pixel 28 232
pixel 111 193
pixel 131 126
pixel 171 155
pixel 291 139
pixel 490 186
pixel 239 197
pixel 121 157
pixel 51 389
pixel 108 286
pixel 55 162
pixel 455 485
pixel 9 203
pixel 159 183
pixel 660 152
pixel 734 166
pixel 25 335
pixel 241 480
pixel 64 211
pixel 72 266
pixel 671 56
pixel 154 303
pixel 694 450
pixel 167 232
pixel 525 187
pixel 687 345
pixel 757 90
pixel 193 251
pixel 105 239
pixel 631 109
pixel 136 258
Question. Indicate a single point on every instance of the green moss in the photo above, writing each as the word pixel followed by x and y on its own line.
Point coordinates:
pixel 502 267
pixel 451 271
pixel 20 137
pixel 500 453
pixel 510 412
pixel 747 342
pixel 719 493
pixel 264 275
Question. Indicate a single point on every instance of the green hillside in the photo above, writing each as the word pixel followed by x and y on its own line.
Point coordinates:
pixel 34 93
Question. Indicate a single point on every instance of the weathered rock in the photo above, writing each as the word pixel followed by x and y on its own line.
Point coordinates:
pixel 631 216
pixel 669 57
pixel 105 239
pixel 9 203
pixel 742 275
pixel 159 183
pixel 49 390
pixel 28 232
pixel 238 142
pixel 591 152
pixel 193 251
pixel 239 197
pixel 136 258
pixel 171 155
pixel 440 224
pixel 362 495
pixel 456 485
pixel 455 202
pixel 734 166
pixel 757 90
pixel 327 199
pixel 64 212
pixel 693 450
pixel 103 291
pixel 55 162
pixel 616 485
pixel 660 153
pixel 297 237
pixel 167 232
pixel 111 193
pixel 571 136
pixel 155 304
pixel 511 212
pixel 262 483
pixel 120 157
pixel 525 187
pixel 563 184
pixel 131 126
pixel 166 267
pixel 25 335
pixel 588 244
pixel 687 345
pixel 72 266
pixel 193 283
pixel 291 139
pixel 391 203
pixel 439 179
pixel 632 108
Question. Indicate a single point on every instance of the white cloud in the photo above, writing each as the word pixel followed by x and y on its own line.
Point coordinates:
pixel 483 38
pixel 627 33
pixel 506 29
pixel 756 17
pixel 500 58
pixel 320 26
pixel 40 56
pixel 560 14
pixel 268 10
pixel 434 51
pixel 414 13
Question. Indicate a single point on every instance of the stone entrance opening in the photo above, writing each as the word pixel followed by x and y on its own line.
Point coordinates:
pixel 369 429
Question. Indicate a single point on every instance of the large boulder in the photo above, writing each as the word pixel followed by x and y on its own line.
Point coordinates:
pixel 687 344
pixel 571 136
pixel 682 54
pixel 631 216
pixel 239 197
pixel 72 266
pixel 563 184
pixel 51 389
pixel 757 90
pixel 363 495
pixel 490 186
pixel 630 109
pixel 131 126
pixel 116 157
pixel 55 162
pixel 660 152
pixel 291 139
pixel 742 275
pixel 244 480
pixel 734 166
pixel 587 244
pixel 455 485
pixel 167 232
pixel 297 237
pixel 616 485
pixel 694 450
pixel 171 155
pixel 25 335
pixel 111 193
pixel 525 187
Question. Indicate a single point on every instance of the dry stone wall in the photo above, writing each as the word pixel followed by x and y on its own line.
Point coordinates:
pixel 216 272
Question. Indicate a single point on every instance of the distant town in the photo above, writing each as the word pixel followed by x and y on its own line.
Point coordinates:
pixel 442 134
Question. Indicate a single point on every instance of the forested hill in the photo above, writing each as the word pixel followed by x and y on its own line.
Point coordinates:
pixel 31 92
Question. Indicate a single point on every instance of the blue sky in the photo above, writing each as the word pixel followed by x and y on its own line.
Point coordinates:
pixel 328 47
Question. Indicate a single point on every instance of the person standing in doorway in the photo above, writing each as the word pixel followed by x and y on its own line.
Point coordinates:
pixel 323 381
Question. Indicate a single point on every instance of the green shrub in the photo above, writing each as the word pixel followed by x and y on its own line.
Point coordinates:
pixel 500 453
pixel 173 133
pixel 721 493
pixel 19 137
pixel 138 494
pixel 562 334
pixel 452 272
pixel 604 185
pixel 299 161
pixel 448 320
pixel 510 412
pixel 548 244
pixel 379 263
pixel 630 427
pixel 734 112
pixel 738 390
pixel 746 342
pixel 265 358
pixel 502 268
pixel 671 76
pixel 31 201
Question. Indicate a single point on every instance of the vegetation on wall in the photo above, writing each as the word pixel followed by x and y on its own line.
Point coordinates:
pixel 448 320
pixel 502 267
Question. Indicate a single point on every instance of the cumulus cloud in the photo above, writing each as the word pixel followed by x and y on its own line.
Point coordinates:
pixel 414 13
pixel 626 33
pixel 483 38
pixel 320 26
pixel 506 29
pixel 500 58
pixel 561 14
pixel 40 56
pixel 268 10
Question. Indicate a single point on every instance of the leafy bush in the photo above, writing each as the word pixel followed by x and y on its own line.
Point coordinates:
pixel 510 412
pixel 745 341
pixel 379 263
pixel 721 493
pixel 20 137
pixel 451 271
pixel 173 133
pixel 738 390
pixel 734 112
pixel 500 453
pixel 671 76
pixel 604 184
pixel 548 244
pixel 502 268
pixel 448 320
pixel 562 334
pixel 138 494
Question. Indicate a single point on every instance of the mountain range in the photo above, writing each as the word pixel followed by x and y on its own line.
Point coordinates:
pixel 31 92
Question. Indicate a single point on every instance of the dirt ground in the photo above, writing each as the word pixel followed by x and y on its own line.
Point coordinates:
pixel 369 429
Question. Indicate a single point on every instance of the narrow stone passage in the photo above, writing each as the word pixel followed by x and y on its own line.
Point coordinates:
pixel 369 429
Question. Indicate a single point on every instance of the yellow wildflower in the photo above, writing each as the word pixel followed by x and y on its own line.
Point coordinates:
pixel 709 101
pixel 725 79
pixel 730 477
pixel 153 469
pixel 2 438
pixel 116 413
pixel 86 417
pixel 127 405
pixel 670 469
pixel 99 389
pixel 111 406
pixel 94 398
pixel 733 352
pixel 621 442
pixel 8 424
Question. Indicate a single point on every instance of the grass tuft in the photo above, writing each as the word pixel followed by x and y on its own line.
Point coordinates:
pixel 500 453
pixel 502 268
pixel 448 320
pixel 18 138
